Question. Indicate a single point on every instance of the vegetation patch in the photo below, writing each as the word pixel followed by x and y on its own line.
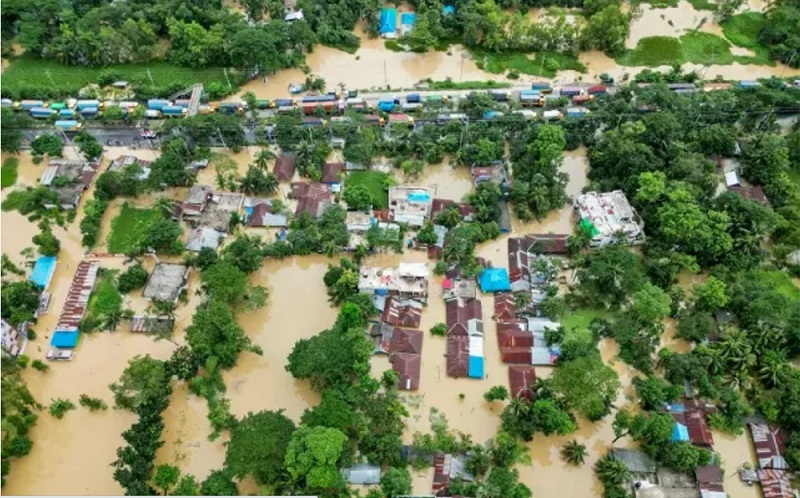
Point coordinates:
pixel 28 73
pixel 658 4
pixel 705 48
pixel 374 182
pixel 780 281
pixel 393 46
pixel 576 322
pixel 743 29
pixel 545 64
pixel 653 51
pixel 702 5
pixel 449 84
pixel 695 47
pixel 8 172
pixel 129 227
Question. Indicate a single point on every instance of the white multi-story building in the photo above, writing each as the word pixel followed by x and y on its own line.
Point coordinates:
pixel 13 341
pixel 607 215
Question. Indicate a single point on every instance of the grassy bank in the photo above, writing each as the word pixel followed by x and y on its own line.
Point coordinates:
pixel 373 181
pixel 8 172
pixel 544 64
pixel 576 322
pixel 742 30
pixel 695 47
pixel 466 85
pixel 28 72
pixel 128 228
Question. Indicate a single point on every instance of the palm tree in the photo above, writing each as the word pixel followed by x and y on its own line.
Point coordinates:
pixel 574 453
pixel 164 205
pixel 263 158
pixel 522 300
pixel 519 407
pixel 611 471
pixel 737 351
pixel 773 368
pixel 330 249
pixel 360 253
pixel 164 308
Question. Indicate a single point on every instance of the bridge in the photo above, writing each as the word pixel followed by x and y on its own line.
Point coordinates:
pixel 195 92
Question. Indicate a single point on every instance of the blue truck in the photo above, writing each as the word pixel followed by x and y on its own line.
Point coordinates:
pixel 89 103
pixel 173 110
pixel 157 104
pixel 89 112
pixel 67 125
pixel 387 104
pixel 41 112
pixel 542 86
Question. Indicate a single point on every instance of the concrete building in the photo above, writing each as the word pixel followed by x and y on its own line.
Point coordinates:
pixel 195 201
pixel 607 216
pixel 202 237
pixel 408 280
pixel 166 282
pixel 362 474
pixel 409 205
pixel 218 210
pixel 122 163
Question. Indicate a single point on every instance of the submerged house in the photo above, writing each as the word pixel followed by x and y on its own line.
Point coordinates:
pixel 520 381
pixel 408 367
pixel 260 213
pixel 409 205
pixel 408 280
pixel 13 341
pixel 332 175
pixel 447 467
pixel 195 201
pixel 710 481
pixel 608 216
pixel 126 162
pixel 402 312
pixel 769 446
pixel 362 474
pixel 68 180
pixel 464 317
pixel 284 168
pixel 387 23
pixel 203 237
pixel 312 198
pixel 467 211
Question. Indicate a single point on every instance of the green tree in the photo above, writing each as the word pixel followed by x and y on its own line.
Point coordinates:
pixel 607 30
pixel 611 471
pixel 587 385
pixel 396 482
pixel 245 253
pixel 496 393
pixel 449 217
pixel 224 281
pixel 47 243
pixel 574 453
pixel 258 182
pixel 219 483
pixel 20 300
pixel 681 456
pixel 258 446
pixel 263 158
pixel 166 476
pixel 654 392
pixel 47 144
pixel 214 333
pixel 142 382
pixel 549 419
pixel 710 295
pixel 357 197
pixel 312 456
pixel 162 236
pixel 133 278
pixel 187 486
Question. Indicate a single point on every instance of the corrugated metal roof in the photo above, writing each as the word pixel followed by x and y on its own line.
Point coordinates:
pixel 406 341
pixel 457 354
pixel 520 381
pixel 49 174
pixel 775 484
pixel 362 473
pixel 408 368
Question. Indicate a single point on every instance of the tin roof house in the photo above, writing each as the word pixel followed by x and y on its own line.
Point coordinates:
pixel 312 198
pixel 260 213
pixel 408 368
pixel 284 168
pixel 520 381
pixel 607 216
pixel 447 467
pixel 13 342
pixel 402 312
pixel 195 201
pixel 68 180
pixel 464 317
pixel 769 445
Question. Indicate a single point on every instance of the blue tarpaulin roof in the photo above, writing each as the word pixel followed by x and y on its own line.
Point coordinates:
pixel 475 367
pixel 407 18
pixel 388 21
pixel 679 432
pixel 494 280
pixel 449 9
pixel 64 339
pixel 43 271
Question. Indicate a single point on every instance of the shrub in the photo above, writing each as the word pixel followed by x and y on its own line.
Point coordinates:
pixel 40 366
pixel 93 404
pixel 59 407
pixel 439 329
pixel 133 278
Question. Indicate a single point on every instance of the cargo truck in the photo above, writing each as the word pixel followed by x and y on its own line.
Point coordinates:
pixel 87 104
pixel 541 86
pixel 530 97
pixel 500 95
pixel 173 111
pixel 401 119
pixel 68 125
pixel 413 98
pixel 157 104
pixel 313 122
pixel 66 113
pixel 89 112
pixel 41 112
pixel 552 115
pixel 571 91
pixel 27 105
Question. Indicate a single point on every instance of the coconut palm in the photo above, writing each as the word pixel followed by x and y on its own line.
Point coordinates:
pixel 773 368
pixel 519 408
pixel 612 471
pixel 330 249
pixel 574 453
pixel 737 351
pixel 263 158
pixel 360 253
pixel 164 205
pixel 522 299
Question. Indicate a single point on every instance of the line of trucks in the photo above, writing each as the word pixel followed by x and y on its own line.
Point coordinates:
pixel 540 93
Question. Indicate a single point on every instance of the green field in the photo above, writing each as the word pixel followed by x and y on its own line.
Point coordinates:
pixel 28 73
pixel 8 172
pixel 544 64
pixel 695 47
pixel 128 228
pixel 374 181
pixel 742 30
pixel 576 322
pixel 702 5
pixel 781 282
pixel 466 85
pixel 105 297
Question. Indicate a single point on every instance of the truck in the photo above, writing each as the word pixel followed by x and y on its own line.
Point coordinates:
pixel 577 112
pixel 263 104
pixel 89 112
pixel 67 125
pixel 313 122
pixel 541 86
pixel 553 115
pixel 446 118
pixel 581 99
pixel 357 103
pixel 413 98
pixel 157 104
pixel 401 119
pixel 310 107
pixel 530 97
pixel 66 113
pixel 181 102
pixel 571 91
pixel 152 114
pixel 87 104
pixel 747 84
pixel 27 105
pixel 373 119
pixel 41 112
pixel 500 95
pixel 597 90
pixel 173 111
pixel 527 114
pixel 229 108
pixel 411 106
pixel 435 99
pixel 387 104
pixel 6 103
pixel 341 119
pixel 681 87
pixel 491 115
pixel 57 106
pixel 318 98
pixel 284 102
pixel 127 105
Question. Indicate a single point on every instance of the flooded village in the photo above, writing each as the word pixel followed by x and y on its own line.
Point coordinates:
pixel 491 336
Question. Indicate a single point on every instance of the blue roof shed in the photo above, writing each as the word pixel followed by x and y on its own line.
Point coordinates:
pixel 448 9
pixel 387 23
pixel 43 271
pixel 475 367
pixel 679 432
pixel 494 280
pixel 64 339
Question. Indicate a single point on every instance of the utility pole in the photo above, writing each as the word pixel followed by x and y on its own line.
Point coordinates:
pixel 225 71
pixel 49 76
pixel 151 77
pixel 221 138
pixel 69 142
pixel 385 75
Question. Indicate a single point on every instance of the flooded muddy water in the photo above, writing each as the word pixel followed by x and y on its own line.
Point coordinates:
pixel 446 181
pixel 736 451
pixel 670 21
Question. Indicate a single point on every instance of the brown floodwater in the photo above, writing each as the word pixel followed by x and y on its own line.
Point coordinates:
pixel 446 181
pixel 736 451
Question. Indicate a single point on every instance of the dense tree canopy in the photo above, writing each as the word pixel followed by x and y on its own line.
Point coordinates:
pixel 258 446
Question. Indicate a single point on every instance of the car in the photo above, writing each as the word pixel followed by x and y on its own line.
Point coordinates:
pixel 148 134
pixel 59 354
